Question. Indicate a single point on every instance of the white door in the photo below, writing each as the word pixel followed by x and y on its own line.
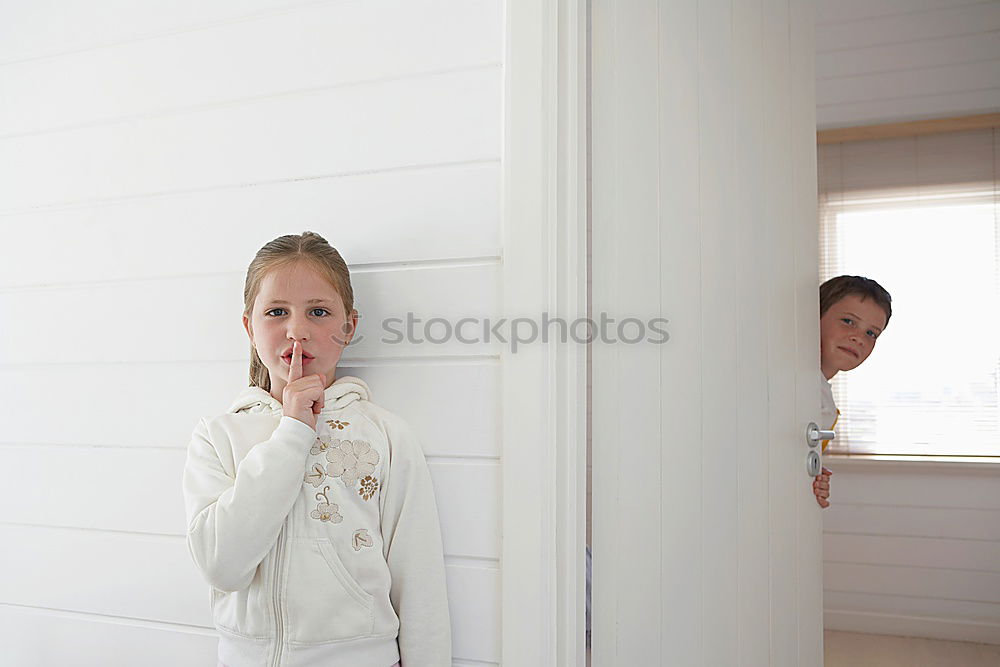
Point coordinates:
pixel 706 536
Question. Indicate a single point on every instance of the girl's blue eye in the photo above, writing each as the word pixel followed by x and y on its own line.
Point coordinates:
pixel 281 311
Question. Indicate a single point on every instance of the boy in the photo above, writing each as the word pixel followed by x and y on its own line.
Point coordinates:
pixel 853 312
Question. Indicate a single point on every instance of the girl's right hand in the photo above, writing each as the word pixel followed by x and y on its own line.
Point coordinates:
pixel 302 397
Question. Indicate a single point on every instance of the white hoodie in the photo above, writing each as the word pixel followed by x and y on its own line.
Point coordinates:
pixel 322 547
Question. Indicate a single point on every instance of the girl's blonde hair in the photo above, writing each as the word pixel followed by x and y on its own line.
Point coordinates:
pixel 282 251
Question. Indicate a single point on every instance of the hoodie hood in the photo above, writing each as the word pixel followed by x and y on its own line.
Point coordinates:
pixel 338 395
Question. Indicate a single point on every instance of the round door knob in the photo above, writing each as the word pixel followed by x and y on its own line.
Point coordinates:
pixel 813 463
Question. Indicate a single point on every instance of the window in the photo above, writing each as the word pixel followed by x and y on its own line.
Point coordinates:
pixel 920 215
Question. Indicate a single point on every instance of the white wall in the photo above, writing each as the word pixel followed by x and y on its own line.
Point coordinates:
pixel 913 549
pixel 883 61
pixel 148 151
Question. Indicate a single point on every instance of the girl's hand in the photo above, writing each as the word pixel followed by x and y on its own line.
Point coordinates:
pixel 302 397
pixel 821 488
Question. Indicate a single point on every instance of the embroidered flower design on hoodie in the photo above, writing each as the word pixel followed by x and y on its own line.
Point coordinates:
pixel 369 485
pixel 319 447
pixel 362 538
pixel 316 476
pixel 351 459
pixel 326 511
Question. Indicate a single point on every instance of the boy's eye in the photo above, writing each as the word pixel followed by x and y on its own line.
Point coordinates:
pixel 872 333
pixel 320 310
pixel 273 310
pixel 846 320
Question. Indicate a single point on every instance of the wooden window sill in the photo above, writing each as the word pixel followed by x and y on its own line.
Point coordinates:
pixel 935 464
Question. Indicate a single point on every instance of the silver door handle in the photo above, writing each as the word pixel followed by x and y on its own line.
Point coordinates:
pixel 816 435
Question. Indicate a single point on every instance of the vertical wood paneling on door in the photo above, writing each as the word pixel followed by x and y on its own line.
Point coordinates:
pixel 680 357
pixel 734 378
pixel 636 436
pixel 751 438
pixel 719 331
pixel 606 529
pixel 805 234
pixel 629 440
pixel 781 337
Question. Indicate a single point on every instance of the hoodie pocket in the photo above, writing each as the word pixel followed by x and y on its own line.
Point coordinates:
pixel 324 601
pixel 243 612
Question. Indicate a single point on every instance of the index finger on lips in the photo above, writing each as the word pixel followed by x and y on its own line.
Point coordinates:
pixel 295 372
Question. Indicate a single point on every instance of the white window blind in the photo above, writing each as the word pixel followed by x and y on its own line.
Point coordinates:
pixel 919 215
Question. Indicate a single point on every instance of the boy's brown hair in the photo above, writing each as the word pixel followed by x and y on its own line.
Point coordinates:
pixel 835 289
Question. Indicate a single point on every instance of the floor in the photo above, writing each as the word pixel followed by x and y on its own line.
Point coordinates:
pixel 849 649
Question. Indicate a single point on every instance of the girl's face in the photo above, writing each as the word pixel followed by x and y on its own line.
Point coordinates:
pixel 296 302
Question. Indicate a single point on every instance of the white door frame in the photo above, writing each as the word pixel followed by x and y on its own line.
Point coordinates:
pixel 543 458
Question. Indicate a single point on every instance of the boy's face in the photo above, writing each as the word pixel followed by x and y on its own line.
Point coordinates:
pixel 847 333
pixel 296 302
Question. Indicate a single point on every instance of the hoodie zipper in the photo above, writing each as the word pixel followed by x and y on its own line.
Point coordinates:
pixel 278 622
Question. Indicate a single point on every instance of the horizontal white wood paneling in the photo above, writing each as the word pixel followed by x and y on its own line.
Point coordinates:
pixel 415 392
pixel 405 215
pixel 893 60
pixel 153 578
pixel 444 118
pixel 913 626
pixel 183 319
pixel 147 577
pixel 848 32
pixel 907 56
pixel 984 612
pixel 474 594
pixel 914 489
pixel 85 640
pixel 317 46
pixel 913 551
pixel 938 80
pixel 139 490
pixel 940 522
pixel 46 27
pixel 834 12
pixel 920 582
pixel 41 637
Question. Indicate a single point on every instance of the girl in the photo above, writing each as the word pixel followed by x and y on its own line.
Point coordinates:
pixel 309 508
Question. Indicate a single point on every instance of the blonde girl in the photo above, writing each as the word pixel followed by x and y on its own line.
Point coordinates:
pixel 309 508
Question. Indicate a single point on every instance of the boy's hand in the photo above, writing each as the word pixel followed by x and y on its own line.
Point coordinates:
pixel 302 397
pixel 821 488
